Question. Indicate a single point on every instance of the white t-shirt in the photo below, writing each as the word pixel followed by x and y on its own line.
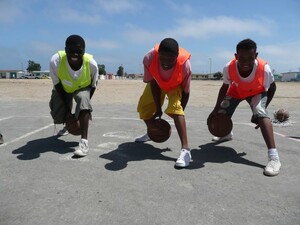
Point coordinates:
pixel 166 74
pixel 269 78
pixel 54 63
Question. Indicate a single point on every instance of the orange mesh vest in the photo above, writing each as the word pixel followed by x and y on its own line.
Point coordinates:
pixel 241 90
pixel 176 77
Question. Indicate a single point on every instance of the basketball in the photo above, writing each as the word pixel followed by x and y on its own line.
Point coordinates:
pixel 73 125
pixel 220 125
pixel 159 130
pixel 282 115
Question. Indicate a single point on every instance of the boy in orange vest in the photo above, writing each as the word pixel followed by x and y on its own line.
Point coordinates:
pixel 249 78
pixel 167 71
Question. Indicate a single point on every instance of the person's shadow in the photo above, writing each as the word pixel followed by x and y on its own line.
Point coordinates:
pixel 211 153
pixel 33 149
pixel 132 151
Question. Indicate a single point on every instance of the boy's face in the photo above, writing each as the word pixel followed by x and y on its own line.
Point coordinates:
pixel 167 60
pixel 246 59
pixel 74 54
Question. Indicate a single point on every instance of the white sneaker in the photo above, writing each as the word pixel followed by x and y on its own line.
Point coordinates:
pixel 184 158
pixel 82 149
pixel 63 132
pixel 1 139
pixel 222 139
pixel 272 168
pixel 143 138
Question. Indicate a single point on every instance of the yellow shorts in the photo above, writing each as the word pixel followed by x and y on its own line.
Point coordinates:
pixel 147 108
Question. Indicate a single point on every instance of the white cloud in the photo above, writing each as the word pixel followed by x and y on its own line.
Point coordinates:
pixel 117 6
pixel 179 7
pixel 76 16
pixel 102 44
pixel 282 57
pixel 221 26
pixel 10 11
pixel 205 28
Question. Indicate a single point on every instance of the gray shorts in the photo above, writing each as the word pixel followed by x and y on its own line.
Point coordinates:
pixel 57 108
pixel 257 104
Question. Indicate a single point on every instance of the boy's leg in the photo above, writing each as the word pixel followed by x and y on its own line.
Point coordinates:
pixel 228 107
pixel 175 111
pixel 146 109
pixel 260 116
pixel 83 113
pixel 180 125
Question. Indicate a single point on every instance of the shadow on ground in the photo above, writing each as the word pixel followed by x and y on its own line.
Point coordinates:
pixel 211 153
pixel 131 151
pixel 33 149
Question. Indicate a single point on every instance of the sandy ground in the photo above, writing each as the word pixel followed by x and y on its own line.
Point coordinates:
pixel 203 92
pixel 122 182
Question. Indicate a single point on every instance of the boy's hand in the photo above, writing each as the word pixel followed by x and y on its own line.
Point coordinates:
pixel 157 114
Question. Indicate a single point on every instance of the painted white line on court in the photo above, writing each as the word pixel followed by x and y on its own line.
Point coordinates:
pixel 70 157
pixel 26 135
pixel 279 134
pixel 115 118
pixel 108 145
pixel 6 118
pixel 117 134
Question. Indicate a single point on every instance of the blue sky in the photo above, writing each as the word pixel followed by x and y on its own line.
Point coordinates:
pixel 120 32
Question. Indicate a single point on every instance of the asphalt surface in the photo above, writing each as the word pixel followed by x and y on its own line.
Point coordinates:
pixel 122 182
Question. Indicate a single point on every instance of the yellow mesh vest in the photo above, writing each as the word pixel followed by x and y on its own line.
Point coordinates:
pixel 69 84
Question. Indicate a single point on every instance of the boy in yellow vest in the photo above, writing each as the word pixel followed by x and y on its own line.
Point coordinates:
pixel 249 78
pixel 167 71
pixel 74 74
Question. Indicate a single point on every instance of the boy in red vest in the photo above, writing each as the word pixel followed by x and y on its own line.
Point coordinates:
pixel 167 71
pixel 249 78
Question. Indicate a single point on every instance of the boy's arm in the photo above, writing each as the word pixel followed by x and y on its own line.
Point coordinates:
pixel 61 92
pixel 221 95
pixel 271 92
pixel 185 99
pixel 156 93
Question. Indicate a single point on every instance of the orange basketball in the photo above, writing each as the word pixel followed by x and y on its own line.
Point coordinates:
pixel 73 125
pixel 159 130
pixel 220 125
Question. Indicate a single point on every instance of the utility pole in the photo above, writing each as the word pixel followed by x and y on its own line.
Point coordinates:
pixel 210 61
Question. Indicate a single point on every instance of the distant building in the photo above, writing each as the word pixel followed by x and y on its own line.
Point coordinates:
pixel 19 74
pixel 202 76
pixel 10 74
pixel 135 76
pixel 290 76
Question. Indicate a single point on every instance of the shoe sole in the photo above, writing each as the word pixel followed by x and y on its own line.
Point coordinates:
pixel 222 140
pixel 62 134
pixel 141 141
pixel 270 174
pixel 181 165
pixel 80 154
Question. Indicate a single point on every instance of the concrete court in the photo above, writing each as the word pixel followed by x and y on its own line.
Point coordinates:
pixel 122 182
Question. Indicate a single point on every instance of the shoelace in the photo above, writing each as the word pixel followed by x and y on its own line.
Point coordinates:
pixel 272 163
pixel 182 154
pixel 83 144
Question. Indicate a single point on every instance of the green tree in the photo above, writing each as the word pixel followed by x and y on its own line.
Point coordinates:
pixel 32 66
pixel 101 69
pixel 120 71
pixel 218 75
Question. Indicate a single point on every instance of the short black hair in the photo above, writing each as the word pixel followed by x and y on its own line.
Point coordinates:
pixel 169 45
pixel 246 44
pixel 75 40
